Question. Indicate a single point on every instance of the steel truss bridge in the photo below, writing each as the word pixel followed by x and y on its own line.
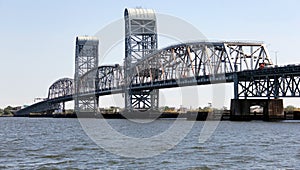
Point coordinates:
pixel 146 70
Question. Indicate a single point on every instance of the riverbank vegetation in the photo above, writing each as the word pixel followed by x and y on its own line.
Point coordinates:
pixel 291 108
pixel 7 111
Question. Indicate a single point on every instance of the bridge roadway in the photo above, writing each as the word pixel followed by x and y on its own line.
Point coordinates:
pixel 290 73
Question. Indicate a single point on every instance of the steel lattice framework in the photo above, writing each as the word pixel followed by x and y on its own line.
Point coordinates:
pixel 86 59
pixel 271 82
pixel 103 78
pixel 199 59
pixel 140 40
pixel 61 88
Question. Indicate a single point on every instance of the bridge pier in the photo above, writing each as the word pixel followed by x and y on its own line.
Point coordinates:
pixel 63 107
pixel 272 109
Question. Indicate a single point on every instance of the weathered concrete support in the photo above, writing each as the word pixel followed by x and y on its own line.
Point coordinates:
pixel 276 109
pixel 272 109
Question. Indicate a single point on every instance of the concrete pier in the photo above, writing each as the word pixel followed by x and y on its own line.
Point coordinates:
pixel 272 109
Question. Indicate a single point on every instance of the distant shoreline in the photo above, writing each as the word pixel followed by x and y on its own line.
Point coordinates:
pixel 7 116
pixel 194 115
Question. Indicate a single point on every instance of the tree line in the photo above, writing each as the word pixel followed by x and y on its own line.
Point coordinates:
pixel 6 111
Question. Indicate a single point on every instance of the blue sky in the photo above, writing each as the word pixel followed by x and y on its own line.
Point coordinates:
pixel 37 37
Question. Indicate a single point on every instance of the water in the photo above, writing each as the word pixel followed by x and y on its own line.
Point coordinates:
pixel 46 143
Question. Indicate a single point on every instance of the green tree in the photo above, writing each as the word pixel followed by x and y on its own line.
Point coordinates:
pixel 207 109
pixel 1 111
pixel 289 108
pixel 166 108
pixel 7 110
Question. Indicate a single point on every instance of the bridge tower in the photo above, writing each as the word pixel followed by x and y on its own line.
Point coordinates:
pixel 140 40
pixel 86 59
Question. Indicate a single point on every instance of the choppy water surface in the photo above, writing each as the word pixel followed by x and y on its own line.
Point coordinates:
pixel 41 143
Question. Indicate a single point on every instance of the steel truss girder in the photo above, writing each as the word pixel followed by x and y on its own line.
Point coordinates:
pixel 199 59
pixel 103 78
pixel 88 104
pixel 86 59
pixel 143 99
pixel 285 85
pixel 61 88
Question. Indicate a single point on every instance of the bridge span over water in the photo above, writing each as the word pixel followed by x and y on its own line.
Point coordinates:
pixel 146 70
